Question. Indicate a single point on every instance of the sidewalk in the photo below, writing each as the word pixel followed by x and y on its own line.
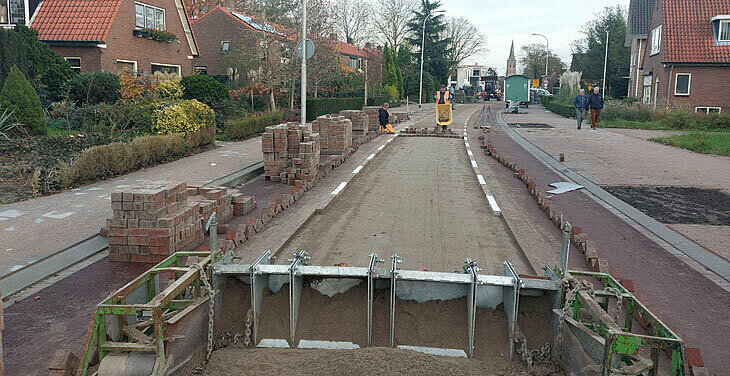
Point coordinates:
pixel 34 229
pixel 626 157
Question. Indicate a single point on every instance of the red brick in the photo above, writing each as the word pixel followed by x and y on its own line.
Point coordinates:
pixel 138 232
pixel 138 240
pixel 139 258
pixel 161 241
pixel 694 358
pixel 231 235
pixel 602 266
pixel 160 232
pixel 591 251
pixel 154 250
pixel 203 248
pixel 121 240
pixel 118 231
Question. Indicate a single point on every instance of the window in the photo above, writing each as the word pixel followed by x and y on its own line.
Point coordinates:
pixel 646 98
pixel 225 46
pixel 75 63
pixel 475 73
pixel 129 65
pixel 708 110
pixel 201 70
pixel 149 17
pixel 682 83
pixel 656 40
pixel 165 68
pixel 12 12
pixel 724 31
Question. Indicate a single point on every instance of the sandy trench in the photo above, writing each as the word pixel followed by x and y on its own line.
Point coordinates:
pixel 418 198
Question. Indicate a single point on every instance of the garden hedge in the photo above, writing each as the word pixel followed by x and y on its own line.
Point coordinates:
pixel 18 96
pixel 100 162
pixel 251 125
pixel 558 107
pixel 325 106
pixel 94 88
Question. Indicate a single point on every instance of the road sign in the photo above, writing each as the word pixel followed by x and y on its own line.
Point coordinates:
pixel 545 82
pixel 310 49
pixel 536 83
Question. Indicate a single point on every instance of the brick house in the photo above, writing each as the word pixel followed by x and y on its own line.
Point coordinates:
pixel 687 56
pixel 637 30
pixel 110 35
pixel 220 31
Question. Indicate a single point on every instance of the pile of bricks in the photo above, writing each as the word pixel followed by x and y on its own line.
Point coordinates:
pixel 291 153
pixel 373 120
pixel 335 134
pixel 360 122
pixel 243 204
pixel 150 222
pixel 430 132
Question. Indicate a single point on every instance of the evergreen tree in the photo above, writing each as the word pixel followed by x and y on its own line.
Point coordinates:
pixel 19 96
pixel 435 47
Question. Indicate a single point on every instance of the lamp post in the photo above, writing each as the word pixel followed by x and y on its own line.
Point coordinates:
pixel 303 112
pixel 547 52
pixel 605 62
pixel 423 42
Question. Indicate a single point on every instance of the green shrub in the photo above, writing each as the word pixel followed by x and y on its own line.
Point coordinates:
pixel 203 88
pixel 391 93
pixel 19 97
pixel 682 119
pixel 324 106
pixel 629 113
pixel 20 46
pixel 379 100
pixel 93 88
pixel 558 107
pixel 100 162
pixel 170 89
pixel 252 125
pixel 186 116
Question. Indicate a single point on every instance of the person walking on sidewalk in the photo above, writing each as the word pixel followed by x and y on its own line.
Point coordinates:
pixel 580 103
pixel 595 103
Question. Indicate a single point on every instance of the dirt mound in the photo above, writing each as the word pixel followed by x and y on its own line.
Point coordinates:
pixel 370 361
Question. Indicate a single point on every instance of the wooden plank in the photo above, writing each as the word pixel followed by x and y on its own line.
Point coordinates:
pixel 128 347
pixel 136 334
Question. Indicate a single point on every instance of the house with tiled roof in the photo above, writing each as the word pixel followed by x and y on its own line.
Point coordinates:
pixel 637 30
pixel 145 36
pixel 221 31
pixel 687 59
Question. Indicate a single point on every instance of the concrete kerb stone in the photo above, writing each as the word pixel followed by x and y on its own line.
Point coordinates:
pixel 493 206
pixel 586 246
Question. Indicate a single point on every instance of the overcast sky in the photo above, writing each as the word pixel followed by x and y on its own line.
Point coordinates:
pixel 502 21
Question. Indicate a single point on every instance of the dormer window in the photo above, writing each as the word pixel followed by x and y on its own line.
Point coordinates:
pixel 721 28
pixel 149 17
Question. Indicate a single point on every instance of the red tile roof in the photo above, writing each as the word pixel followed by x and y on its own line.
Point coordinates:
pixel 75 20
pixel 688 35
pixel 348 49
pixel 278 30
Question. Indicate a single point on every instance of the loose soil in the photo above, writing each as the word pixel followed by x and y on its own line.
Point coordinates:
pixel 418 198
pixel 19 157
pixel 677 205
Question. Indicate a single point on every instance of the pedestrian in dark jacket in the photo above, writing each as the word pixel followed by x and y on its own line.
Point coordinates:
pixel 595 103
pixel 580 103
pixel 383 115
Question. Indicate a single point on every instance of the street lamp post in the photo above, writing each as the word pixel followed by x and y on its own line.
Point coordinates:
pixel 423 42
pixel 605 62
pixel 303 112
pixel 547 52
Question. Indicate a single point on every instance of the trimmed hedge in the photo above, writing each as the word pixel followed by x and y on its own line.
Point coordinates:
pixel 251 125
pixel 100 162
pixel 558 107
pixel 325 106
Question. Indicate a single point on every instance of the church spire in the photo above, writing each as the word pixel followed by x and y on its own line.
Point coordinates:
pixel 512 51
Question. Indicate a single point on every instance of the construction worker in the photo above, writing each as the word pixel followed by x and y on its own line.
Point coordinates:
pixel 384 118
pixel 442 97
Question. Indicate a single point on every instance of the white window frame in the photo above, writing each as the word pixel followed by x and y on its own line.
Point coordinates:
pixel 229 46
pixel 706 109
pixel 719 30
pixel 200 68
pixel 689 84
pixel 154 16
pixel 179 68
pixel 656 42
pixel 134 62
pixel 72 67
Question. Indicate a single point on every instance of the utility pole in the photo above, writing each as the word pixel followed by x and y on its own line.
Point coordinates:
pixel 605 62
pixel 547 52
pixel 423 43
pixel 303 112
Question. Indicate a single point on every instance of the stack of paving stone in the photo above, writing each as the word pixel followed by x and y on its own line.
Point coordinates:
pixel 291 153
pixel 359 121
pixel 152 221
pixel 373 120
pixel 335 134
pixel 242 204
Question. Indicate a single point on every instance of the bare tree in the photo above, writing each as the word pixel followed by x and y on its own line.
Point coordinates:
pixel 352 20
pixel 391 20
pixel 466 40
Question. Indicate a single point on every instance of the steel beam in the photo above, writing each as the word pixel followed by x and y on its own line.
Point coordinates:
pixel 395 260
pixel 511 304
pixel 471 269
pixel 295 292
pixel 371 292
pixel 258 281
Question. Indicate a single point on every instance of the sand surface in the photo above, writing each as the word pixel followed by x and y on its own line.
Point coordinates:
pixel 419 198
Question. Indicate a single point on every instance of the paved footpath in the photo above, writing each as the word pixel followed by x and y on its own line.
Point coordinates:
pixel 627 157
pixel 34 229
